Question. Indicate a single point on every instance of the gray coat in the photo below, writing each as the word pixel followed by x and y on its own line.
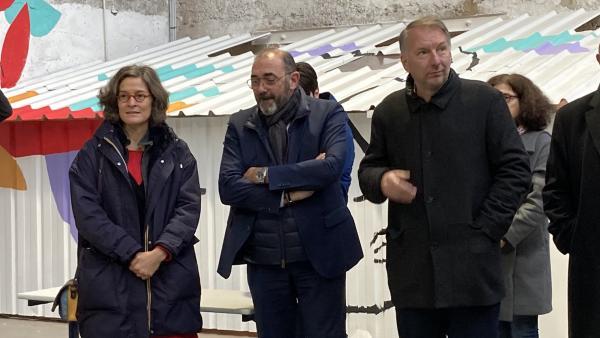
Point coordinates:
pixel 526 257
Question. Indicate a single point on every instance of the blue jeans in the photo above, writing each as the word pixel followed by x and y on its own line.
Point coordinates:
pixel 520 327
pixel 459 322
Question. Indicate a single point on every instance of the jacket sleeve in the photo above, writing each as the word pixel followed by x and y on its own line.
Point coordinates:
pixel 316 174
pixel 509 165
pixel 557 193
pixel 530 215
pixel 346 178
pixel 93 224
pixel 180 230
pixel 234 189
pixel 375 163
pixel 5 108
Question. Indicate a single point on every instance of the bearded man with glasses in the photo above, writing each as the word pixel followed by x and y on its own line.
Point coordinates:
pixel 280 171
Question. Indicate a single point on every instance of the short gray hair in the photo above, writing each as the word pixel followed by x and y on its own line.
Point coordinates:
pixel 428 21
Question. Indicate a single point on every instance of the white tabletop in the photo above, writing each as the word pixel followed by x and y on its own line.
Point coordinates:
pixel 212 300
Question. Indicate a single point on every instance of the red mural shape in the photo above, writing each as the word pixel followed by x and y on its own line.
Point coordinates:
pixel 4 4
pixel 15 49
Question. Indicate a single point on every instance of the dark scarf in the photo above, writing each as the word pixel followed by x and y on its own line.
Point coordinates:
pixel 277 126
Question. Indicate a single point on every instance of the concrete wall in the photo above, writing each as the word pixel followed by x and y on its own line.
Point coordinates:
pixel 79 36
pixel 218 17
pixel 153 7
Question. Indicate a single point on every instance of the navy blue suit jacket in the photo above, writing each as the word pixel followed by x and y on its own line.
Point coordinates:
pixel 326 227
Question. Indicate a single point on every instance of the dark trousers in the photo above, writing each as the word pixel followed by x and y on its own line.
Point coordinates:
pixel 460 322
pixel 520 327
pixel 295 301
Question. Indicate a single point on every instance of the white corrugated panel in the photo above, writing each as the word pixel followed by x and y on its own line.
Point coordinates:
pixel 39 251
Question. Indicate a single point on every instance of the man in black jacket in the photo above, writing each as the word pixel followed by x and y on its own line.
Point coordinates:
pixel 571 200
pixel 446 154
pixel 5 108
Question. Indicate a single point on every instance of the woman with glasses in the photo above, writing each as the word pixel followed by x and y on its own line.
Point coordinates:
pixel 136 201
pixel 525 251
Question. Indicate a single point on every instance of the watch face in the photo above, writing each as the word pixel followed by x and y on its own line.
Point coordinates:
pixel 260 175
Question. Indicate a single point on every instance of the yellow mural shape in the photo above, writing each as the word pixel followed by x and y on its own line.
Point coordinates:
pixel 10 173
pixel 22 96
pixel 177 106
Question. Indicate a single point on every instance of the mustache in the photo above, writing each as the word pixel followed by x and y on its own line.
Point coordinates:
pixel 266 97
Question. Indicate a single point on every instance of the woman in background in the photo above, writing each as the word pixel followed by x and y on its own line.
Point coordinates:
pixel 525 250
pixel 136 201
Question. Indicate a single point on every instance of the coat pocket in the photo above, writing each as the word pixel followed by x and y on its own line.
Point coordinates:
pixel 178 279
pixel 96 277
pixel 336 216
pixel 479 241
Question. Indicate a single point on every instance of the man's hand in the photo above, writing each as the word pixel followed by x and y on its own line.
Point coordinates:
pixel 251 175
pixel 145 264
pixel 396 187
pixel 299 195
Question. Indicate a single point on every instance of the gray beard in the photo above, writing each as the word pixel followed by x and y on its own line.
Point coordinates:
pixel 270 110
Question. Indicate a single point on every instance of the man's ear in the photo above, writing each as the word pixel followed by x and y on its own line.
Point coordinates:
pixel 316 93
pixel 294 79
pixel 404 62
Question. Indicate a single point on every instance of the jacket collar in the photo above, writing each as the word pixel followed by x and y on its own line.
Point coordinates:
pixel 255 122
pixel 160 134
pixel 439 99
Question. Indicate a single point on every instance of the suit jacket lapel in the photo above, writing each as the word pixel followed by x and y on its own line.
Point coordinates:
pixel 592 118
pixel 296 131
pixel 255 123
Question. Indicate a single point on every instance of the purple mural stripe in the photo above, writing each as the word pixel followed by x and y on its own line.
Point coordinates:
pixel 58 172
pixel 349 47
pixel 576 47
pixel 550 49
pixel 295 53
pixel 321 50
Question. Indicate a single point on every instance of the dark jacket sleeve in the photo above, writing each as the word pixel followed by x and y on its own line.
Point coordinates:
pixel 375 163
pixel 347 173
pixel 91 220
pixel 5 108
pixel 234 189
pixel 530 215
pixel 557 193
pixel 511 175
pixel 316 174
pixel 179 231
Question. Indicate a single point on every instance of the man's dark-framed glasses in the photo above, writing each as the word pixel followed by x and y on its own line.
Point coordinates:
pixel 267 80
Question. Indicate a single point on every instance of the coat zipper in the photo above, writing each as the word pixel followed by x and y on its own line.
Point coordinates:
pixel 118 152
pixel 148 285
pixel 282 243
pixel 146 249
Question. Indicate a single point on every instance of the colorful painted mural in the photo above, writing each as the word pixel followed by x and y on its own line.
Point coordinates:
pixel 58 142
pixel 541 44
pixel 26 17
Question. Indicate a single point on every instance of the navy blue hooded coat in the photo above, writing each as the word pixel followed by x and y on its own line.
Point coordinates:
pixel 112 300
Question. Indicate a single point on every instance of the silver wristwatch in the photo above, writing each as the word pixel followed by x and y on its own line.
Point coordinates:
pixel 261 175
